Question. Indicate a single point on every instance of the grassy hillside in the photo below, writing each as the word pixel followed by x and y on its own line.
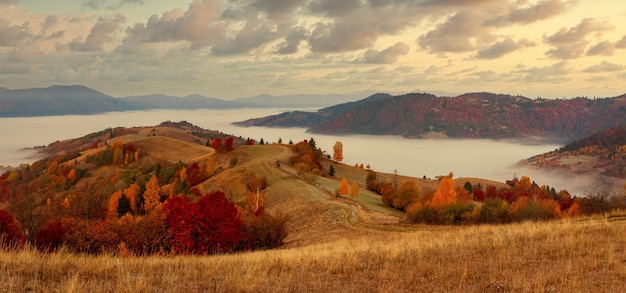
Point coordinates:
pixel 333 243
pixel 562 256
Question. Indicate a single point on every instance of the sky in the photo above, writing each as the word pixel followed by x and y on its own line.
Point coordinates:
pixel 240 48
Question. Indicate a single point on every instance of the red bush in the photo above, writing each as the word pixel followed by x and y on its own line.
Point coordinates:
pixel 10 233
pixel 211 225
pixel 50 237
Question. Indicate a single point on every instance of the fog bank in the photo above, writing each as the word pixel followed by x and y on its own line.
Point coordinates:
pixel 482 158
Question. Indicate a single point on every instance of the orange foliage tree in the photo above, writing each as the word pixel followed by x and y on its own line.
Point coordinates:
pixel 343 187
pixel 445 194
pixel 131 194
pixel 338 151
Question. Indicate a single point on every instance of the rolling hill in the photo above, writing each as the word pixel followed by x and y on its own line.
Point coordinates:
pixel 473 115
pixel 602 153
pixel 333 243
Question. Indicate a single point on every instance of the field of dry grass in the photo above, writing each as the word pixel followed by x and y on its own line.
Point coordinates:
pixel 561 256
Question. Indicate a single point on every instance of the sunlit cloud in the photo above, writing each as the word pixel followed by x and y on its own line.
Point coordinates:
pixel 214 46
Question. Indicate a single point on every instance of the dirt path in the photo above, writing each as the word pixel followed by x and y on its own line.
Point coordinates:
pixel 316 214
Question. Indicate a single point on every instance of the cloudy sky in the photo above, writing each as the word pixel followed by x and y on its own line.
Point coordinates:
pixel 238 48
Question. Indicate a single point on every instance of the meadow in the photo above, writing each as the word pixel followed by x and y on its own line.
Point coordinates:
pixel 569 255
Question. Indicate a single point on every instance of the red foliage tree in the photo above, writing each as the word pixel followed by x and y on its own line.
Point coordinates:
pixel 195 174
pixel 491 192
pixel 479 194
pixel 217 144
pixel 10 233
pixel 228 144
pixel 211 225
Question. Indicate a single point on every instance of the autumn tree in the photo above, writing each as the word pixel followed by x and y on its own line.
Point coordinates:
pixel 354 191
pixel 344 189
pixel 228 144
pixel 338 151
pixel 152 195
pixel 131 193
pixel 217 144
pixel 195 175
pixel 210 225
pixel 445 194
pixel 10 233
pixel 210 167
pixel 407 193
pixel 114 202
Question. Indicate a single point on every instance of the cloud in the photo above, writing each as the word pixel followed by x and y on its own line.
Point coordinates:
pixel 553 73
pixel 100 34
pixel 542 10
pixel 457 34
pixel 571 43
pixel 603 48
pixel 253 35
pixel 292 41
pixel 387 56
pixel 13 35
pixel 368 24
pixel 276 8
pixel 97 4
pixel 334 8
pixel 621 44
pixel 502 48
pixel 7 2
pixel 604 67
pixel 93 4
pixel 198 26
pixel 25 59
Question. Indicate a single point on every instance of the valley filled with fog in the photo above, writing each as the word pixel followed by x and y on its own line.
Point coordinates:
pixel 489 159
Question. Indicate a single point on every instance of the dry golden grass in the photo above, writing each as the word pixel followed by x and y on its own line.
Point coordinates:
pixel 560 256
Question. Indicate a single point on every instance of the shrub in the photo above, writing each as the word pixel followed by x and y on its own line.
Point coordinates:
pixel 454 213
pixel 10 234
pixel 525 208
pixel 265 231
pixel 494 210
pixel 416 213
pixel 50 237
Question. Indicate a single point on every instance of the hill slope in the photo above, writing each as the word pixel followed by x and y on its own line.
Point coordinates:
pixel 603 153
pixel 475 115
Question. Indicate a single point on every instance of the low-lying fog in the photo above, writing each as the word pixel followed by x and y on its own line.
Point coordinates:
pixel 482 158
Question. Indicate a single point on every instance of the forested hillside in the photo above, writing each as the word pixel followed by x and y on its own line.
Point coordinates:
pixel 475 115
pixel 602 153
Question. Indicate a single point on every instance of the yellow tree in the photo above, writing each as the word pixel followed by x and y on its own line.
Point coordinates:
pixel 344 189
pixel 152 195
pixel 445 194
pixel 354 191
pixel 209 167
pixel 338 151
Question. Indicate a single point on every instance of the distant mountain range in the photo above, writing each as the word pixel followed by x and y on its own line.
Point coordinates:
pixel 472 115
pixel 63 100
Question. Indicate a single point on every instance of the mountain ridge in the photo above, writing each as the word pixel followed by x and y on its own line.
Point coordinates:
pixel 78 99
pixel 471 115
